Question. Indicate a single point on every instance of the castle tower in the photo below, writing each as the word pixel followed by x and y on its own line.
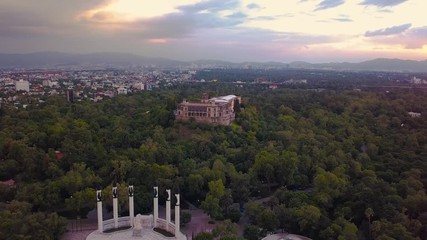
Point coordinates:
pixel 205 98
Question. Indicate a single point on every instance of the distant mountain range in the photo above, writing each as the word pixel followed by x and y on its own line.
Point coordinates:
pixel 379 64
pixel 68 60
pixel 64 60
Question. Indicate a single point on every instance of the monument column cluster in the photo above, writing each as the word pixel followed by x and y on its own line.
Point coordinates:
pixel 168 210
pixel 132 210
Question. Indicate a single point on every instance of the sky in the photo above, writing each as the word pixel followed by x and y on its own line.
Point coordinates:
pixel 233 30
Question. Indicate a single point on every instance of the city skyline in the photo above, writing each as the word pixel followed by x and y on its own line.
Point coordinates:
pixel 232 30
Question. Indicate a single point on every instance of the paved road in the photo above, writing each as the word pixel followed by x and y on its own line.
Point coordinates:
pixel 79 230
pixel 199 222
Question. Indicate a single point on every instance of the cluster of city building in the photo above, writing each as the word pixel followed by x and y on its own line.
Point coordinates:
pixel 416 80
pixel 80 85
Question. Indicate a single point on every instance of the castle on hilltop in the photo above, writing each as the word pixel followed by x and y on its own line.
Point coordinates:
pixel 217 110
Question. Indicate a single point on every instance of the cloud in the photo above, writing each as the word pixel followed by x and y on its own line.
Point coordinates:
pixel 243 44
pixel 237 15
pixel 19 24
pixel 206 29
pixel 263 18
pixel 181 24
pixel 383 3
pixel 388 31
pixel 25 20
pixel 253 6
pixel 416 38
pixel 270 18
pixel 326 4
pixel 63 10
pixel 385 10
pixel 262 38
pixel 413 38
pixel 305 39
pixel 211 5
pixel 342 19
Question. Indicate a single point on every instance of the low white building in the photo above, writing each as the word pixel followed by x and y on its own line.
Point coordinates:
pixel 49 83
pixel 138 86
pixel 416 80
pixel 46 83
pixel 22 85
pixel 414 114
pixel 122 91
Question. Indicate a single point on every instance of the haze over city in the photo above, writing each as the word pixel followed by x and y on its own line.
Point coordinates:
pixel 233 30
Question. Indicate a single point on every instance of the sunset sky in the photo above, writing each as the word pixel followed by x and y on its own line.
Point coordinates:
pixel 234 30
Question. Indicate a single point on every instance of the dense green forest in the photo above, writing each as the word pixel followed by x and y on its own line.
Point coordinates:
pixel 331 164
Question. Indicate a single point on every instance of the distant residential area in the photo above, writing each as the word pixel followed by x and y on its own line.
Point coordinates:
pixel 22 88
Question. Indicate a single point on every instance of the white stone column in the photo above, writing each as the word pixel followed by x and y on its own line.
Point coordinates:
pixel 177 220
pixel 168 209
pixel 115 208
pixel 131 206
pixel 99 208
pixel 156 205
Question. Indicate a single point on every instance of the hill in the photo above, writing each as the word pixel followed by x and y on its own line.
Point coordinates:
pixel 111 59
